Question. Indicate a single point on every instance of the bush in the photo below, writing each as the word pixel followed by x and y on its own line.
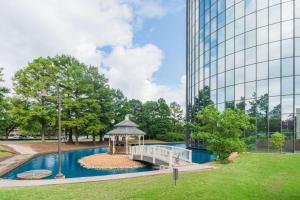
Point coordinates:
pixel 277 140
pixel 171 137
pixel 222 131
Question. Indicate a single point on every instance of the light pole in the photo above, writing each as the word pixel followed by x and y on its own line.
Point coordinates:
pixel 59 173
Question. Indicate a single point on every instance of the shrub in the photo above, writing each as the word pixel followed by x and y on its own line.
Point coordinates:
pixel 171 137
pixel 222 131
pixel 277 140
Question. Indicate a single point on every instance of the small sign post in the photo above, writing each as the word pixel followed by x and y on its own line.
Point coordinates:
pixel 175 174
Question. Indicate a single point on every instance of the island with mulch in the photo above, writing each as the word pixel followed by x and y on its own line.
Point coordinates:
pixel 107 161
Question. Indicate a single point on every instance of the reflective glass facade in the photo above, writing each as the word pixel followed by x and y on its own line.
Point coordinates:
pixel 248 53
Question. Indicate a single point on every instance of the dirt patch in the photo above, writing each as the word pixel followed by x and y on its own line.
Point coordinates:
pixel 52 147
pixel 107 161
pixel 9 150
pixel 233 156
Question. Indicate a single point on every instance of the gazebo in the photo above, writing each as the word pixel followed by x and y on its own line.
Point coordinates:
pixel 118 137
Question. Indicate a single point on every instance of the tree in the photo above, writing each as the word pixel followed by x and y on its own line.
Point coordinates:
pixel 202 101
pixel 7 123
pixel 222 131
pixel 29 82
pixel 120 105
pixel 277 141
pixel 176 113
pixel 136 110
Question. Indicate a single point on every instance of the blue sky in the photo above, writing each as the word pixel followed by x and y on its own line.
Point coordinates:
pixel 168 33
pixel 139 45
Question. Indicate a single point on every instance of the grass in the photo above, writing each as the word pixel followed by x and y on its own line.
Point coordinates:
pixel 256 176
pixel 4 152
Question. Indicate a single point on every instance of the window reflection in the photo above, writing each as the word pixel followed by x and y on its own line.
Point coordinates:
pixel 287 123
pixel 262 88
pixel 274 114
pixel 287 11
pixel 287 29
pixel 250 55
pixel 274 50
pixel 230 93
pixel 251 73
pixel 274 14
pixel 239 92
pixel 221 95
pixel 250 6
pixel 262 35
pixel 287 67
pixel 239 75
pixel 262 16
pixel 239 9
pixel 262 4
pixel 229 15
pixel 221 80
pixel 274 68
pixel 287 104
pixel 250 90
pixel 250 38
pixel 230 62
pixel 274 87
pixel 287 85
pixel 287 48
pixel 297 83
pixel 239 26
pixel 250 22
pixel 239 42
pixel 262 70
pixel 274 33
pixel 239 59
pixel 230 77
pixel 262 53
pixel 221 65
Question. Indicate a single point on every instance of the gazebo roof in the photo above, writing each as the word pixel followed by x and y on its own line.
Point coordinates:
pixel 126 127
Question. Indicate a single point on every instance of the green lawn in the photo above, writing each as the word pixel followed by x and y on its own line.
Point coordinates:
pixel 252 176
pixel 4 152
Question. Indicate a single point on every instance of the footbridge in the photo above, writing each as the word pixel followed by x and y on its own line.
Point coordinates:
pixel 161 155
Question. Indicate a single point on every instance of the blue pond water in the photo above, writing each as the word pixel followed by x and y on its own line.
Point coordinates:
pixel 72 169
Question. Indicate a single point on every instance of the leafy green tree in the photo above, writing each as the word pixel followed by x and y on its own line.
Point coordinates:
pixel 202 101
pixel 77 88
pixel 120 106
pixel 277 140
pixel 104 97
pixel 222 131
pixel 39 76
pixel 7 123
pixel 136 110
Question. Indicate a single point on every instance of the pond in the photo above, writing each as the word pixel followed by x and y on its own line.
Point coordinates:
pixel 72 169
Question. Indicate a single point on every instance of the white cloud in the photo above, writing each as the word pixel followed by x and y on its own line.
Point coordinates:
pixel 34 28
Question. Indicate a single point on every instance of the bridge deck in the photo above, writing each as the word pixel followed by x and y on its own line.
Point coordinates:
pixel 162 155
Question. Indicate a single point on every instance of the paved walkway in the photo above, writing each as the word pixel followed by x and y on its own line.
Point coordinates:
pixel 23 183
pixel 25 153
pixel 21 149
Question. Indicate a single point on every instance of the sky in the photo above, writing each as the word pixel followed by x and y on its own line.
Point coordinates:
pixel 139 45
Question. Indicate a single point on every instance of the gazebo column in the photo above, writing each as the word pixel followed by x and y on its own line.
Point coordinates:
pixel 126 144
pixel 114 141
pixel 109 142
pixel 143 141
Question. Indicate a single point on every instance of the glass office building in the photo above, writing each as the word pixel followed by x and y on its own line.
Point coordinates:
pixel 247 52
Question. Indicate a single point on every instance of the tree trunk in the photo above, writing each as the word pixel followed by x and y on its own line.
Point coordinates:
pixel 94 138
pixel 70 140
pixel 43 132
pixel 6 134
pixel 76 138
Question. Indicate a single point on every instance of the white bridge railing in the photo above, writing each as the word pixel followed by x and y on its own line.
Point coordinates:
pixel 168 154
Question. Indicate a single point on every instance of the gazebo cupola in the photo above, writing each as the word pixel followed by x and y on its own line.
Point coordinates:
pixel 119 136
